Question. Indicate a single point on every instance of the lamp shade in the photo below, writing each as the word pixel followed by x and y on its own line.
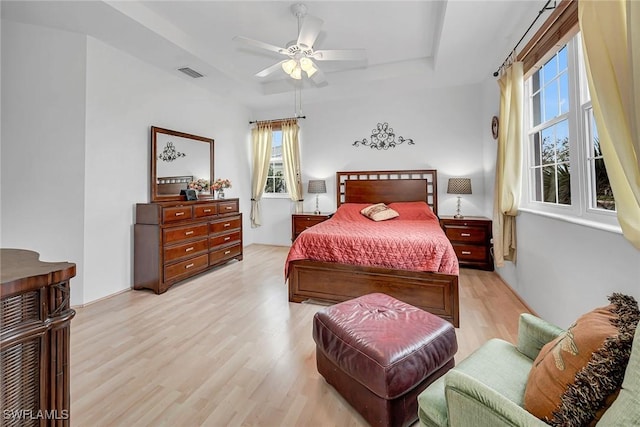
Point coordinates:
pixel 459 186
pixel 317 186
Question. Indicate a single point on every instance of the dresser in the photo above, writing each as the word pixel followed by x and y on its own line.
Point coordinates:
pixel 34 339
pixel 176 240
pixel 302 221
pixel 471 239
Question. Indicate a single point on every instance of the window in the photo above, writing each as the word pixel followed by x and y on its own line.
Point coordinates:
pixel 601 195
pixel 275 177
pixel 551 168
pixel 566 172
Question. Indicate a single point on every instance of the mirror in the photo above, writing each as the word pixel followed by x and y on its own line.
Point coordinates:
pixel 178 158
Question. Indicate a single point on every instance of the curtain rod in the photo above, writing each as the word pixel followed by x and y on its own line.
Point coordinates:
pixel 545 8
pixel 276 120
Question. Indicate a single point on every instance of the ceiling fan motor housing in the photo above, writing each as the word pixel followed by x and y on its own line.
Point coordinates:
pixel 299 10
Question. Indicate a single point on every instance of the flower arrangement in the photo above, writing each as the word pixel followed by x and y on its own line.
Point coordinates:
pixel 200 184
pixel 221 184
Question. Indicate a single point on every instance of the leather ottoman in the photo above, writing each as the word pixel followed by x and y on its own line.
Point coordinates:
pixel 380 354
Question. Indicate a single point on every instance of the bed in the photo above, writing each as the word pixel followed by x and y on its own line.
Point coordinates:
pixel 435 290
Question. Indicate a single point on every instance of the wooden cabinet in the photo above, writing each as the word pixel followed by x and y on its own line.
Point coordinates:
pixel 34 339
pixel 302 221
pixel 176 240
pixel 471 239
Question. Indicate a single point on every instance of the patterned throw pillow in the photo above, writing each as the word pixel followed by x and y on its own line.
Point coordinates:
pixel 379 212
pixel 578 375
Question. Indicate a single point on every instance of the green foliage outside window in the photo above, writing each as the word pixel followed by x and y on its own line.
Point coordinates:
pixel 275 179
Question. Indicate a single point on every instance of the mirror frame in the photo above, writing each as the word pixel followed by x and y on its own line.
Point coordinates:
pixel 155 197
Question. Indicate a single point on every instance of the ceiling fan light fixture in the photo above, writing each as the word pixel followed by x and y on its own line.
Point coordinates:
pixel 296 73
pixel 307 65
pixel 289 66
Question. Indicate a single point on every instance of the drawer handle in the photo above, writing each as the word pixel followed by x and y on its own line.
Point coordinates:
pixel 189 249
pixel 229 208
pixel 187 233
pixel 179 213
pixel 189 265
pixel 227 238
pixel 227 224
pixel 465 234
pixel 466 253
pixel 207 210
pixel 227 252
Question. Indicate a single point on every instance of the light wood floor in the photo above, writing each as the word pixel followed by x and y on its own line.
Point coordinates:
pixel 227 349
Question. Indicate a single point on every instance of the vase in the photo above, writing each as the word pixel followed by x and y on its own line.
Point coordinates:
pixel 221 193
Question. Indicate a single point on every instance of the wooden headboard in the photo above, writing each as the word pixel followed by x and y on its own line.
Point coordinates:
pixel 388 187
pixel 173 184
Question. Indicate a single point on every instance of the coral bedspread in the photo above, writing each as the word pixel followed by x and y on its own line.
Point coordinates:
pixel 412 241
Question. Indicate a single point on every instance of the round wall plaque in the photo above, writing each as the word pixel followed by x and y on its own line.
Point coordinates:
pixel 494 127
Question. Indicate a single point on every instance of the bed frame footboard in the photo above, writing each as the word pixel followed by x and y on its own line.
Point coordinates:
pixel 436 293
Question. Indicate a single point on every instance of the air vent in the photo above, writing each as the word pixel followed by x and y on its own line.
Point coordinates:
pixel 191 73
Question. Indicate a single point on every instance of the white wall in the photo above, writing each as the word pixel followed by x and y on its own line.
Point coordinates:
pixel 564 270
pixel 43 133
pixel 445 125
pixel 77 138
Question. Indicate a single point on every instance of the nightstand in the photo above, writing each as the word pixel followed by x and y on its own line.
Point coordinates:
pixel 302 221
pixel 471 239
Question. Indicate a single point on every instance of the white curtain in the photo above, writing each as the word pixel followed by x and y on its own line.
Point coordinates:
pixel 261 136
pixel 611 44
pixel 508 164
pixel 291 161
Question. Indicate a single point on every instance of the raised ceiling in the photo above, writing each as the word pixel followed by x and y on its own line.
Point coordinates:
pixel 409 44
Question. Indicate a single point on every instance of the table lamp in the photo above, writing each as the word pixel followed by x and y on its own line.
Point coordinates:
pixel 317 186
pixel 459 186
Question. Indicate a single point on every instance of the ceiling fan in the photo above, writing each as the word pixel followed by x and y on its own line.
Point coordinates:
pixel 300 54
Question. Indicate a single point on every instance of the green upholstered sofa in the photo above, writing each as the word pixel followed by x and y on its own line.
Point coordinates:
pixel 487 388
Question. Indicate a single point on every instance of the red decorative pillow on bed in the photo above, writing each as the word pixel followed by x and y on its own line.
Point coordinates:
pixel 379 212
pixel 413 210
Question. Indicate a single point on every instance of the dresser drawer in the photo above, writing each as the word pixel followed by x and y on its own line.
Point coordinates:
pixel 225 225
pixel 301 223
pixel 224 239
pixel 470 252
pixel 176 234
pixel 224 253
pixel 466 234
pixel 185 268
pixel 176 213
pixel 200 211
pixel 226 207
pixel 172 253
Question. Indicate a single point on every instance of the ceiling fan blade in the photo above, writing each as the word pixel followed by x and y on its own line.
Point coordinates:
pixel 271 69
pixel 340 55
pixel 260 44
pixel 309 30
pixel 318 78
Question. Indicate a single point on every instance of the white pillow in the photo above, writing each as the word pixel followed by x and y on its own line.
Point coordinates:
pixel 379 212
